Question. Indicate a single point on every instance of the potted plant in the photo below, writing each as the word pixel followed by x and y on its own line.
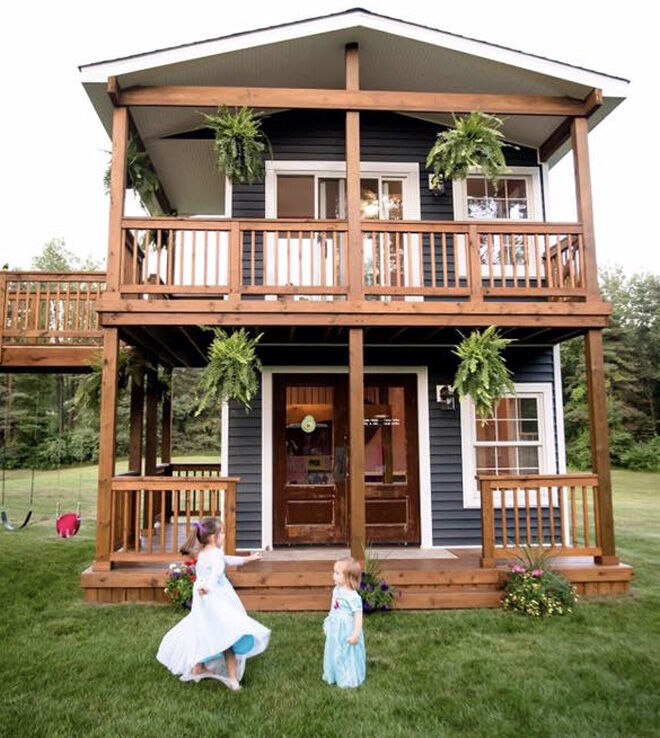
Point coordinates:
pixel 231 372
pixel 482 372
pixel 240 144
pixel 474 141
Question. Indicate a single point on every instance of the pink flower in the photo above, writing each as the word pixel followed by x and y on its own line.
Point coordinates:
pixel 517 569
pixel 537 573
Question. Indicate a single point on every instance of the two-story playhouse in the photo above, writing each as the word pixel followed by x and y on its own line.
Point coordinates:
pixel 360 277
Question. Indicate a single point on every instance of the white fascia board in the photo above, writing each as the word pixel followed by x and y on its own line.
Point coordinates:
pixel 611 86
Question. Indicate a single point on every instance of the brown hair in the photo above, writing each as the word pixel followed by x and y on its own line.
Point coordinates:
pixel 351 571
pixel 201 533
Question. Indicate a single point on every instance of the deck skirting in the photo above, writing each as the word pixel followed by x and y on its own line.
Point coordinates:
pixel 299 585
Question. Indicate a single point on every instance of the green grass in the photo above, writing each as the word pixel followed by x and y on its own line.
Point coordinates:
pixel 69 669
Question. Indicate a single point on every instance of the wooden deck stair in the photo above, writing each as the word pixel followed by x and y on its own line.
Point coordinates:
pixel 423 584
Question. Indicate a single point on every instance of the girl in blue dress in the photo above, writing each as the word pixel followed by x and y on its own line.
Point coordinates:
pixel 218 635
pixel 344 658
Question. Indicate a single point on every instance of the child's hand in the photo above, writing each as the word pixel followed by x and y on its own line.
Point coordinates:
pixel 203 591
pixel 353 639
pixel 255 556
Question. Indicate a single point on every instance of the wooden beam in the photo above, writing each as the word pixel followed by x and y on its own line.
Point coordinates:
pixel 353 99
pixel 117 193
pixel 356 440
pixel 107 434
pixel 562 133
pixel 579 137
pixel 113 90
pixel 354 235
pixel 598 435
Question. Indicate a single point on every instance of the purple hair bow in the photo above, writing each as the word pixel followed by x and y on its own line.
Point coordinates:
pixel 198 526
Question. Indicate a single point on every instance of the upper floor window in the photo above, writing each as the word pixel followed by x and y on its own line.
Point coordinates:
pixel 516 197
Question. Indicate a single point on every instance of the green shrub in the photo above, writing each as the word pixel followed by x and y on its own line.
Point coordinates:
pixel 375 592
pixel 643 456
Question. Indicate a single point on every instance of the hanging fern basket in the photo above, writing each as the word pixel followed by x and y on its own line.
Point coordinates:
pixel 232 369
pixel 474 141
pixel 140 177
pixel 482 373
pixel 240 144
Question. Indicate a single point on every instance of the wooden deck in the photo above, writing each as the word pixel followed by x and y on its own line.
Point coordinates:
pixel 305 583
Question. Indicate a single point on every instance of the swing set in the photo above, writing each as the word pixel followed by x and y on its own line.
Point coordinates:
pixel 67 524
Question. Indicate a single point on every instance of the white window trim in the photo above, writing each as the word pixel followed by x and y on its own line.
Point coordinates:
pixel 535 205
pixel 547 457
pixel 408 171
pixel 424 442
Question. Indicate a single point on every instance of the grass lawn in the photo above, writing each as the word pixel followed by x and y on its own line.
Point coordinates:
pixel 69 669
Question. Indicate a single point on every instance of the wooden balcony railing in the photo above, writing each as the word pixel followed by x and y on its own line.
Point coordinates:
pixel 151 517
pixel 271 259
pixel 47 308
pixel 557 514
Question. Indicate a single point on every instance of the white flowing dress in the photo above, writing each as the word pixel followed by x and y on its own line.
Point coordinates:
pixel 217 621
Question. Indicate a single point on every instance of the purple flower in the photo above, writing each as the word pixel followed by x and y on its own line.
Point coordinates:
pixel 537 573
pixel 189 604
pixel 384 587
pixel 386 607
pixel 175 575
pixel 362 575
pixel 365 606
pixel 363 585
pixel 517 569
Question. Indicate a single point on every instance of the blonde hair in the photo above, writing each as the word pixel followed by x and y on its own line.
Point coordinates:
pixel 351 570
pixel 201 533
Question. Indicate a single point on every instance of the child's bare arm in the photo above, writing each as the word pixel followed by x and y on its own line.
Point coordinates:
pixel 357 628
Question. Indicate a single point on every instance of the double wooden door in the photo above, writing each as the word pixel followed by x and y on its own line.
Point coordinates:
pixel 310 459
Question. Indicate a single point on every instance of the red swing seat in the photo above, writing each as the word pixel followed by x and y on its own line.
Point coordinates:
pixel 67 524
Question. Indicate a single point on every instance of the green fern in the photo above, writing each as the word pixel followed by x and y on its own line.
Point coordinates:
pixel 482 373
pixel 240 144
pixel 140 175
pixel 231 372
pixel 130 365
pixel 474 141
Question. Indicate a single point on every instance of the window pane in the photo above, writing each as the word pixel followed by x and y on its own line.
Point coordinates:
pixel 476 187
pixel 482 209
pixel 295 196
pixel 528 459
pixel 516 189
pixel 332 198
pixel 385 435
pixel 393 199
pixel 517 210
pixel 486 432
pixel 486 460
pixel 369 205
pixel 507 460
pixel 309 444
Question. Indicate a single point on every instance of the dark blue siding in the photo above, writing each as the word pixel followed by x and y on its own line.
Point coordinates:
pixel 452 524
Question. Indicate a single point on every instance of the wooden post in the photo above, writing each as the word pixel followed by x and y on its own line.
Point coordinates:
pixel 166 423
pixel 474 263
pixel 355 259
pixel 579 138
pixel 230 518
pixel 487 525
pixel 3 308
pixel 151 437
pixel 136 425
pixel 600 452
pixel 356 440
pixel 117 193
pixel 235 261
pixel 106 448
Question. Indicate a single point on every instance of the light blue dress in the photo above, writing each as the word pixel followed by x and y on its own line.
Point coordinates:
pixel 217 622
pixel 343 664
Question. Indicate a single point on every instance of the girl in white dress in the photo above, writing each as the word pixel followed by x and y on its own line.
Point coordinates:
pixel 218 635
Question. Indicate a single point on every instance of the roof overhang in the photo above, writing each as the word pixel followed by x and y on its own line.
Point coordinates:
pixel 394 55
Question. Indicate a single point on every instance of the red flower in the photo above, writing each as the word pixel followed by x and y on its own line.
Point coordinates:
pixel 193 578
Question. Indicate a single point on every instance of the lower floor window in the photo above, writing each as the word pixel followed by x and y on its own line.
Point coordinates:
pixel 517 440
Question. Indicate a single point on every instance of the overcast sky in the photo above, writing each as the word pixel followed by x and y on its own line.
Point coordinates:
pixel 53 145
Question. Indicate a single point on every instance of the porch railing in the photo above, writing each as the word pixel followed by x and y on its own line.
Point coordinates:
pixel 151 517
pixel 557 514
pixel 271 259
pixel 50 308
